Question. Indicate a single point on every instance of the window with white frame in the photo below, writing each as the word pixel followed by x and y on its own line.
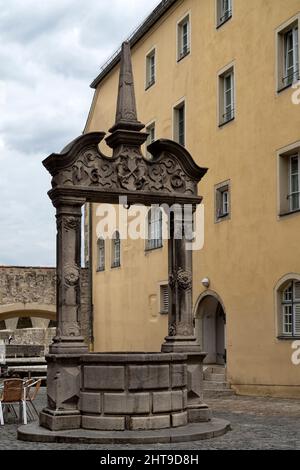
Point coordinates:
pixel 100 254
pixel 290 304
pixel 179 123
pixel 289 180
pixel 226 96
pixel 294 182
pixel 154 229
pixel 150 129
pixel 116 250
pixel 184 38
pixel 224 11
pixel 222 198
pixel 150 69
pixel 164 298
pixel 288 55
pixel 291 57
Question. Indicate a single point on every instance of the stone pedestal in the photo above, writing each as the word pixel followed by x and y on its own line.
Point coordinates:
pixel 63 392
pixel 198 411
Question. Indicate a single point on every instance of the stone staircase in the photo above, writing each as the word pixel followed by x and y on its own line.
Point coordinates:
pixel 214 382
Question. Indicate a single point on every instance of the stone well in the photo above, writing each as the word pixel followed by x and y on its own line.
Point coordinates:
pixel 137 391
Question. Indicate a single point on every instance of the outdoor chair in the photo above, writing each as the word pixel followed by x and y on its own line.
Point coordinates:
pixel 31 388
pixel 12 393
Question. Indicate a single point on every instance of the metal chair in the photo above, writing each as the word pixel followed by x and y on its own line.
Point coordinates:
pixel 31 393
pixel 13 393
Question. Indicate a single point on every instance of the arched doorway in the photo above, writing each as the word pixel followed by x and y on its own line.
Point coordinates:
pixel 210 324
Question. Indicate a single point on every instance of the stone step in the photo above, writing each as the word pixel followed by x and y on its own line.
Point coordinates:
pixel 218 393
pixel 209 376
pixel 212 385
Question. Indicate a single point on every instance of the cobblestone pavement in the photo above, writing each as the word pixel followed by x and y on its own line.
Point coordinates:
pixel 257 423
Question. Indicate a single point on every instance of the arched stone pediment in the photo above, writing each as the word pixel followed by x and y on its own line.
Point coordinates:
pixel 171 173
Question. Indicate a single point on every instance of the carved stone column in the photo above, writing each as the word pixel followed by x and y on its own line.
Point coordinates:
pixel 68 338
pixel 63 372
pixel 181 337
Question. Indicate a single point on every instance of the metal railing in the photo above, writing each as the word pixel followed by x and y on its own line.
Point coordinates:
pixel 228 116
pixel 291 78
pixel 143 25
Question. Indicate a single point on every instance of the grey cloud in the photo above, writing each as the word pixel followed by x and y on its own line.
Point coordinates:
pixel 49 53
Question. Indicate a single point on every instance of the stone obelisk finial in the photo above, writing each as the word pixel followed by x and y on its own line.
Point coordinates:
pixel 126 115
pixel 126 131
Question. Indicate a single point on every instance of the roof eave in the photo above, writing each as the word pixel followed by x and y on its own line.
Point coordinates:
pixel 150 21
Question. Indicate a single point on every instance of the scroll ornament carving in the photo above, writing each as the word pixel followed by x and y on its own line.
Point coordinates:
pixel 71 275
pixel 132 173
pixel 127 170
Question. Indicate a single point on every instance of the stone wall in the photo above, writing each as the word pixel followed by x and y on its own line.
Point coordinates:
pixel 29 289
pixel 27 285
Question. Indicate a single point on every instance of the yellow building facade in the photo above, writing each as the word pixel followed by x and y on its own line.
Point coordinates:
pixel 221 78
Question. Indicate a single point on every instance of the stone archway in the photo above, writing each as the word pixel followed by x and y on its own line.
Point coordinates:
pixel 210 326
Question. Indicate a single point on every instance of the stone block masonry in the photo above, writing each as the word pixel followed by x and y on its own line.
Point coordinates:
pixel 133 391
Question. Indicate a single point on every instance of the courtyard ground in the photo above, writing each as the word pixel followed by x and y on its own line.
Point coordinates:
pixel 257 423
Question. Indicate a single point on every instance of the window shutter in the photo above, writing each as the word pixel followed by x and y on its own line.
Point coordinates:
pixel 297 290
pixel 297 320
pixel 164 291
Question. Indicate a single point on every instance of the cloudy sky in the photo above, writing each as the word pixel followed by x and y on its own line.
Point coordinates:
pixel 50 51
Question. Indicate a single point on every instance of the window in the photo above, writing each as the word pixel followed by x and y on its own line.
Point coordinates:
pixel 164 298
pixel 291 309
pixel 101 254
pixel 150 129
pixel 291 56
pixel 150 69
pixel 52 324
pixel 2 325
pixel 179 124
pixel 294 193
pixel 183 35
pixel 289 180
pixel 116 251
pixel 224 11
pixel 222 198
pixel 288 55
pixel 154 229
pixel 226 96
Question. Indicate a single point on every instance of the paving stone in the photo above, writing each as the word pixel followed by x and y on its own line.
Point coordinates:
pixel 257 424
